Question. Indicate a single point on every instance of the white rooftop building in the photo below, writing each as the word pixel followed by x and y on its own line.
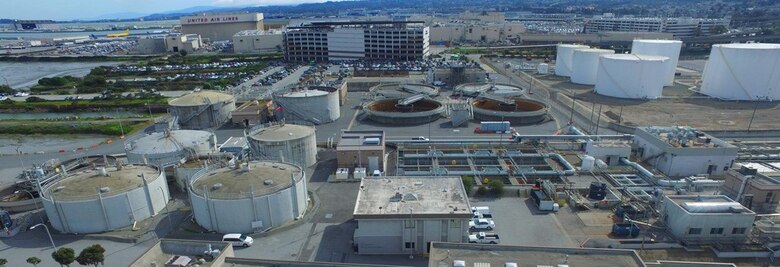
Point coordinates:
pixel 706 219
pixel 683 151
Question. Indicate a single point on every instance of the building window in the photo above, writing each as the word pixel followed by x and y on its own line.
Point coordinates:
pixel 455 223
pixel 768 197
pixel 738 231
pixel 409 223
pixel 694 231
pixel 716 231
pixel 409 245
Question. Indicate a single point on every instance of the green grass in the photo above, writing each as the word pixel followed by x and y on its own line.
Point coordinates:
pixel 112 128
pixel 82 104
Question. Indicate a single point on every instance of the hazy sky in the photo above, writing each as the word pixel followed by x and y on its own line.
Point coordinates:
pixel 85 9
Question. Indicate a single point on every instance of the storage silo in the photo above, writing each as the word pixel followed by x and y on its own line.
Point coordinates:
pixel 291 143
pixel 202 109
pixel 316 104
pixel 105 198
pixel 631 76
pixel 664 48
pixel 743 72
pixel 248 198
pixel 563 57
pixel 169 148
pixel 585 64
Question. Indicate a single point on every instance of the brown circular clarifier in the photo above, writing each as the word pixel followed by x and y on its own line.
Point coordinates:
pixel 520 111
pixel 389 111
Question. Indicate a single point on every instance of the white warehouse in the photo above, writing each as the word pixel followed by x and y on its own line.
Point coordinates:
pixel 706 219
pixel 248 197
pixel 683 151
pixel 403 215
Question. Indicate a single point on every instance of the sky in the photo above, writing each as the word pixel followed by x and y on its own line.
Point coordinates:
pixel 86 9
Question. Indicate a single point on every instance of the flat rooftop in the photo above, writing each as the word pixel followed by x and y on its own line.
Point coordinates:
pixel 419 196
pixel 84 184
pixel 356 140
pixel 685 137
pixel 165 249
pixel 443 254
pixel 201 97
pixel 239 182
pixel 611 143
pixel 285 132
pixel 687 203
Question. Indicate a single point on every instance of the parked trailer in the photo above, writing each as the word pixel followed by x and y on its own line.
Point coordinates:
pixel 494 127
pixel 625 229
pixel 543 202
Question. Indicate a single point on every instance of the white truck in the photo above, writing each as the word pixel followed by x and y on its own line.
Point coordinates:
pixel 484 238
pixel 481 224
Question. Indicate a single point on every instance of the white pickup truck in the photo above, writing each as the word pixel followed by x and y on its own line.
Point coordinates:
pixel 481 224
pixel 484 238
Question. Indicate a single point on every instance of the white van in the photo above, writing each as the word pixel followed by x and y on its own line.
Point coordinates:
pixel 238 240
pixel 377 173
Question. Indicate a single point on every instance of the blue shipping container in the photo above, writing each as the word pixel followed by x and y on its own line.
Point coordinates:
pixel 494 126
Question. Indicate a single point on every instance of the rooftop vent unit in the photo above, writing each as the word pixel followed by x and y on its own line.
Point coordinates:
pixel 216 186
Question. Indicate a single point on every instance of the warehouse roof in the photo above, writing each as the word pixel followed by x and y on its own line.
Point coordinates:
pixel 201 97
pixel 418 196
pixel 361 140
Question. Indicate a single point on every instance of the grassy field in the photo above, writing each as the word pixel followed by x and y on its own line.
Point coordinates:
pixel 68 105
pixel 65 127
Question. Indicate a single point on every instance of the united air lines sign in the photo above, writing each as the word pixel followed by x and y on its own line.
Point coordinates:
pixel 226 18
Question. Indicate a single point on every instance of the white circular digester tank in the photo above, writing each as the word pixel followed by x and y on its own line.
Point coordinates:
pixel 743 72
pixel 585 63
pixel 631 76
pixel 563 60
pixel 316 104
pixel 665 48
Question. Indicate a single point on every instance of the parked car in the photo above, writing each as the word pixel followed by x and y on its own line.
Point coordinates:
pixel 238 240
pixel 478 215
pixel 484 238
pixel 481 224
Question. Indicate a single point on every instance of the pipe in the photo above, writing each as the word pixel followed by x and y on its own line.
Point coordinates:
pixel 644 172
pixel 569 168
pixel 742 188
pixel 515 139
pixel 575 131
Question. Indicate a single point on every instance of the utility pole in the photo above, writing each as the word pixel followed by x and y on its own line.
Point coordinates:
pixel 755 107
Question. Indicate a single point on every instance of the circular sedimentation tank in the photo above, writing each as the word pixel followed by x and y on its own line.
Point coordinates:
pixel 664 48
pixel 203 109
pixel 498 89
pixel 631 76
pixel 389 111
pixel 316 104
pixel 521 111
pixel 401 90
pixel 287 142
pixel 105 198
pixel 249 197
pixel 743 72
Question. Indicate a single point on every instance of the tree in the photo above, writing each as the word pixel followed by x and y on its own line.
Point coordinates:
pixel 34 261
pixel 92 255
pixel 5 89
pixel 482 190
pixel 3 262
pixel 183 53
pixel 719 29
pixel 468 184
pixel 64 256
pixel 497 187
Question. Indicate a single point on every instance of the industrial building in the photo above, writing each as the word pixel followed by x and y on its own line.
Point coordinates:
pixel 466 32
pixel 706 219
pixel 220 27
pixel 284 142
pixel 315 104
pixel 202 109
pixel 257 41
pixel 742 72
pixel 451 254
pixel 169 148
pixel 679 27
pixel 252 113
pixel 362 149
pixel 177 252
pixel 183 42
pixel 404 215
pixel 248 197
pixel 373 40
pixel 35 25
pixel 585 64
pixel 631 76
pixel 608 151
pixel 563 58
pixel 755 185
pixel 663 48
pixel 683 151
pixel 151 45
pixel 105 198
pixel 457 74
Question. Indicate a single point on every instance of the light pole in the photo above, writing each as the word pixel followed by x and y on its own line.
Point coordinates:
pixel 33 200
pixel 47 232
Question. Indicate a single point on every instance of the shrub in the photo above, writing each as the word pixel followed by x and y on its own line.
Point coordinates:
pixel 468 184
pixel 482 190
pixel 497 187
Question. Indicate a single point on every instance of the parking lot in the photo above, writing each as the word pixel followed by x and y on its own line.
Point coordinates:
pixel 520 223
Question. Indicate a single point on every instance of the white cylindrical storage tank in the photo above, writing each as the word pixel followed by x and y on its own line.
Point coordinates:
pixel 563 63
pixel 542 68
pixel 291 143
pixel 743 72
pixel 587 163
pixel 248 199
pixel 630 76
pixel 585 64
pixel 169 147
pixel 315 104
pixel 664 48
pixel 88 202
pixel 203 109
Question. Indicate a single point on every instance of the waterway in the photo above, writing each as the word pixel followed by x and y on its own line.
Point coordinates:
pixel 27 74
